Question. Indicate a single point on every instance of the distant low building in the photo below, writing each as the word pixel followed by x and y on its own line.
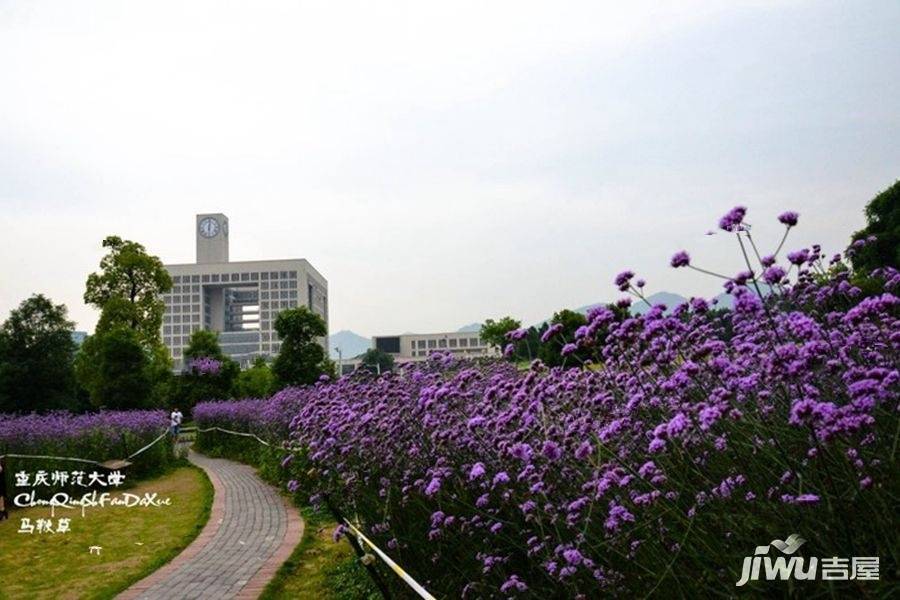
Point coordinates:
pixel 417 346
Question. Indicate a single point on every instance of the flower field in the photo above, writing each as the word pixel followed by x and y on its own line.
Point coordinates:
pixel 693 437
pixel 99 437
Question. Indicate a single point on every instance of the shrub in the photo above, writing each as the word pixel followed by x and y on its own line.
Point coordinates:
pixel 99 437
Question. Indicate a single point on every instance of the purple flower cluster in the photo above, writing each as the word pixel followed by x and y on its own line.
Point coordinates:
pixel 204 365
pixel 692 437
pixel 269 419
pixel 96 436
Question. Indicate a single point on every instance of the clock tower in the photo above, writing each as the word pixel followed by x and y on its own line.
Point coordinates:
pixel 212 238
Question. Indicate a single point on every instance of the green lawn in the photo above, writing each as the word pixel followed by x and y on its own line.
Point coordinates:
pixel 134 541
pixel 320 569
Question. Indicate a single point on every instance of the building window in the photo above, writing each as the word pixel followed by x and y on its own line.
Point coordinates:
pixel 442 343
pixel 473 341
pixel 463 342
pixel 432 343
pixel 215 277
pixel 453 342
pixel 195 279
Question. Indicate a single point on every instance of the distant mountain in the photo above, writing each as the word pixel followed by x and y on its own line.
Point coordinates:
pixel 470 328
pixel 639 307
pixel 724 300
pixel 351 344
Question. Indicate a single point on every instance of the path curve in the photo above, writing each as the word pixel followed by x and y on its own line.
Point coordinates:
pixel 251 531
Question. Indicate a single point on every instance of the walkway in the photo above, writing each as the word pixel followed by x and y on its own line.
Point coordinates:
pixel 251 531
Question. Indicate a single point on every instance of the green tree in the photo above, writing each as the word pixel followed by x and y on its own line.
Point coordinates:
pixel 204 343
pixel 194 386
pixel 883 222
pixel 302 359
pixel 377 361
pixel 37 358
pixel 256 382
pixel 549 352
pixel 116 370
pixel 127 290
pixel 494 332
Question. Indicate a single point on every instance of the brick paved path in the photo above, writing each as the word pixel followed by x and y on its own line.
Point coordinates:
pixel 251 531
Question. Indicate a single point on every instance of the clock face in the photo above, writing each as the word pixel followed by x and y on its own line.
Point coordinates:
pixel 209 227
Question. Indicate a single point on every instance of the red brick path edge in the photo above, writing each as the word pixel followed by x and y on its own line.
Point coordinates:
pixel 254 587
pixel 292 537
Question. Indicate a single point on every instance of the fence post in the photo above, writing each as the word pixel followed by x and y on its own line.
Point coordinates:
pixel 4 497
pixel 357 548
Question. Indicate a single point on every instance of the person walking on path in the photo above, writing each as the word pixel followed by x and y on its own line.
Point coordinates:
pixel 175 421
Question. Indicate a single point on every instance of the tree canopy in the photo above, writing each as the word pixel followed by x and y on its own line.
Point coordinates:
pixel 124 364
pixel 36 358
pixel 302 359
pixel 196 384
pixel 882 222
pixel 256 382
pixel 494 332
pixel 116 370
pixel 570 321
pixel 377 360
pixel 127 290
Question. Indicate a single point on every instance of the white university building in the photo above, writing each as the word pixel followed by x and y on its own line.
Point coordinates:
pixel 239 300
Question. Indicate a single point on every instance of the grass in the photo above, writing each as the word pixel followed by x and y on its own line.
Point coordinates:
pixel 320 569
pixel 134 541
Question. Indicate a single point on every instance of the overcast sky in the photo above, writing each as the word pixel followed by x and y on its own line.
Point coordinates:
pixel 438 163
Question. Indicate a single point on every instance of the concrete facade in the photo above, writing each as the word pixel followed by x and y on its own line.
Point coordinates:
pixel 417 346
pixel 239 300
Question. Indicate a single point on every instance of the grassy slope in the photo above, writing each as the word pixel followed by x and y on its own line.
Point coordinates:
pixel 320 569
pixel 60 566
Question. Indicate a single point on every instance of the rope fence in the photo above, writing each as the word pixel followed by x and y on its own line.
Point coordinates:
pixel 241 433
pixel 109 465
pixel 423 593
pixel 397 569
pixel 86 460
